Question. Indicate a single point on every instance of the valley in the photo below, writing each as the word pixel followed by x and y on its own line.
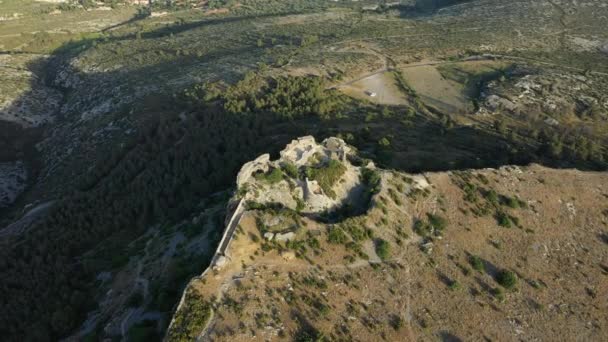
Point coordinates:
pixel 123 129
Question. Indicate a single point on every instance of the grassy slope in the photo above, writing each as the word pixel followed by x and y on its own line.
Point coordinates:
pixel 426 288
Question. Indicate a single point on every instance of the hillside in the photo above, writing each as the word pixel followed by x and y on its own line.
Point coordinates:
pixel 497 254
pixel 123 127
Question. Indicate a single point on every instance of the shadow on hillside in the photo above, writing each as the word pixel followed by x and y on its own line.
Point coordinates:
pixel 113 188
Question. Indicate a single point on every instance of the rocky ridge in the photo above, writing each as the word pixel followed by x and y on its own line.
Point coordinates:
pixel 285 271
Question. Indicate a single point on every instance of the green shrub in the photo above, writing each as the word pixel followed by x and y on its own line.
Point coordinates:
pixel 506 279
pixel 336 236
pixel 396 322
pixel 437 222
pixel 477 263
pixel 291 170
pixel 272 177
pixel 454 285
pixel 383 249
pixel 422 228
pixel 356 232
pixel 492 197
pixel 503 219
pixel 513 202
pixel 372 179
pixel 498 293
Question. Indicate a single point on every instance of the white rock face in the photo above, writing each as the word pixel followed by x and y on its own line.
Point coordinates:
pixel 300 150
pixel 261 163
pixel 495 102
pixel 285 237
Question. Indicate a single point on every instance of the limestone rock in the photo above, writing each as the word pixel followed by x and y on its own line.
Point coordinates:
pixel 295 192
pixel 261 163
pixel 285 236
pixel 494 102
pixel 300 150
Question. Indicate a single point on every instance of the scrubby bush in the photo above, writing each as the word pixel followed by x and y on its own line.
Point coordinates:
pixel 503 219
pixel 290 169
pixel 327 175
pixel 422 228
pixel 272 177
pixel 437 222
pixel 454 285
pixel 336 236
pixel 498 293
pixel 506 279
pixel 372 179
pixel 512 202
pixel 383 249
pixel 477 263
pixel 492 197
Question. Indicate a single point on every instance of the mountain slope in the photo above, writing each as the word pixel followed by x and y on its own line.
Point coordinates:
pixel 510 253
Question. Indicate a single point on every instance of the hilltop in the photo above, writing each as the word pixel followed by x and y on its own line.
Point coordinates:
pixel 123 128
pixel 509 253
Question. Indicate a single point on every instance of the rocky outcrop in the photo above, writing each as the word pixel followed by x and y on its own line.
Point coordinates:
pixel 268 182
pixel 260 164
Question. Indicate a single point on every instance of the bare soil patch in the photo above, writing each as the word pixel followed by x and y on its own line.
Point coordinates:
pixel 378 88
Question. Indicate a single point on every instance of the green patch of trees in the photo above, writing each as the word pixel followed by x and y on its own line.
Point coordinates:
pixel 286 96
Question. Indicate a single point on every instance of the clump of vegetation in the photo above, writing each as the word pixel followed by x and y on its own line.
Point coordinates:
pixel 272 177
pixel 287 97
pixel 336 236
pixel 506 279
pixel 454 285
pixel 383 249
pixel 290 169
pixel 190 319
pixel 327 175
pixel 437 222
pixel 372 179
pixel 477 263
pixel 396 322
pixel 433 227
pixel 503 219
pixel 512 202
pixel 498 293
